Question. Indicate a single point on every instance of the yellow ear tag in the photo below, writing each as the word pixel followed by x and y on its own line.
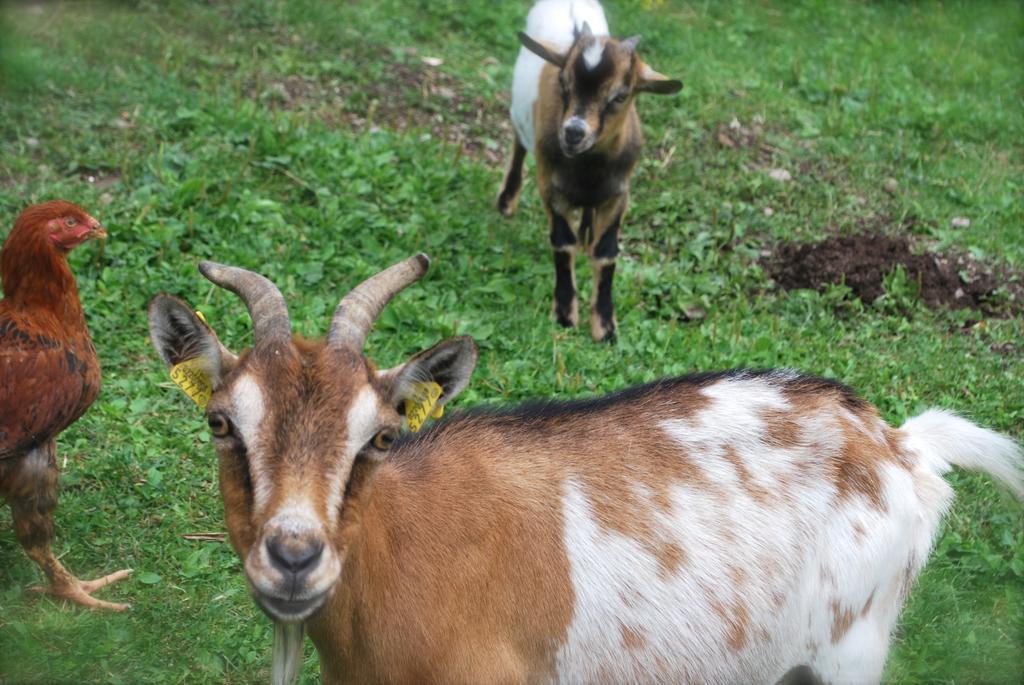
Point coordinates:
pixel 202 317
pixel 423 403
pixel 190 376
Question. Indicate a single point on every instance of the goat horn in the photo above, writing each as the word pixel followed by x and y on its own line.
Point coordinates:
pixel 360 308
pixel 261 297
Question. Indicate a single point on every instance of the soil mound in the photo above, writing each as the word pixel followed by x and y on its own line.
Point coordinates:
pixel 863 261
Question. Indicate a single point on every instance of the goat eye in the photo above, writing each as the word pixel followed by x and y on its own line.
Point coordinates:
pixel 620 98
pixel 219 425
pixel 384 439
pixel 71 221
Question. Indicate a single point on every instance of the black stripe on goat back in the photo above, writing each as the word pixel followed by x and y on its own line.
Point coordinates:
pixel 539 413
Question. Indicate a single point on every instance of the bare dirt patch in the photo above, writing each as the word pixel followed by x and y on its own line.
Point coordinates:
pixel 409 95
pixel 863 261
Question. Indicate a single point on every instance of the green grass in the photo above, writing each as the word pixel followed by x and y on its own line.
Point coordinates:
pixel 237 131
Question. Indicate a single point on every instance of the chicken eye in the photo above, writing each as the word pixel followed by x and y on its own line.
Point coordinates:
pixel 70 221
pixel 384 439
pixel 219 425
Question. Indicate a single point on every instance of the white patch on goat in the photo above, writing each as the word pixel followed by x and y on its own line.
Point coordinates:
pixel 593 53
pixel 249 410
pixel 880 567
pixel 556 21
pixel 941 439
pixel 286 653
pixel 770 578
pixel 247 400
pixel 296 517
pixel 620 588
pixel 362 419
pixel 361 423
pixel 733 414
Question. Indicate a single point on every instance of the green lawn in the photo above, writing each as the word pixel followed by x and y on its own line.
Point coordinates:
pixel 311 141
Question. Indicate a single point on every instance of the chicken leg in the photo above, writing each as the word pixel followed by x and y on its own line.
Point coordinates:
pixel 29 484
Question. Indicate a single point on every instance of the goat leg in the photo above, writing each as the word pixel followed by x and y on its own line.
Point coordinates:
pixel 508 197
pixel 563 246
pixel 604 250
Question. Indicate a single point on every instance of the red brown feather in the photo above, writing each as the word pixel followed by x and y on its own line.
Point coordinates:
pixel 49 376
pixel 49 371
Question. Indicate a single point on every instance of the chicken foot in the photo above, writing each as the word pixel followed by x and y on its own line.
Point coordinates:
pixel 66 586
pixel 31 490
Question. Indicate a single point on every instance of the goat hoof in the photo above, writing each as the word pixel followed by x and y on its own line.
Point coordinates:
pixel 603 332
pixel 565 321
pixel 506 206
pixel 567 313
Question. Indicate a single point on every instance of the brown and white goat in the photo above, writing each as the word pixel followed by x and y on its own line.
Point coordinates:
pixel 573 92
pixel 716 528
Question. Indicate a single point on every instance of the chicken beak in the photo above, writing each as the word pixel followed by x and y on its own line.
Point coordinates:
pixel 98 232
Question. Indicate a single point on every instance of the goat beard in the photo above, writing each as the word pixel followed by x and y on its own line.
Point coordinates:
pixel 286 654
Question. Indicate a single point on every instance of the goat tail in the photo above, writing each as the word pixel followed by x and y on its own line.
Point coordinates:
pixel 942 440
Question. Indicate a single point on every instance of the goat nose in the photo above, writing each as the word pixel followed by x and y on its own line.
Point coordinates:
pixel 574 133
pixel 294 556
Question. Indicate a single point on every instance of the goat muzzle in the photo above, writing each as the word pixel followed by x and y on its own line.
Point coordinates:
pixel 576 137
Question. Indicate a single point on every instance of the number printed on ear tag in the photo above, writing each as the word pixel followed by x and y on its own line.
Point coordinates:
pixel 422 404
pixel 190 376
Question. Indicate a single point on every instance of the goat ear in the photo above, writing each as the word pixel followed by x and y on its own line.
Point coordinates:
pixel 180 335
pixel 542 51
pixel 449 363
pixel 629 44
pixel 651 81
pixel 582 32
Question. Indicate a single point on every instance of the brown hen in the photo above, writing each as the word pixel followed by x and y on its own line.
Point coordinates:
pixel 49 375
